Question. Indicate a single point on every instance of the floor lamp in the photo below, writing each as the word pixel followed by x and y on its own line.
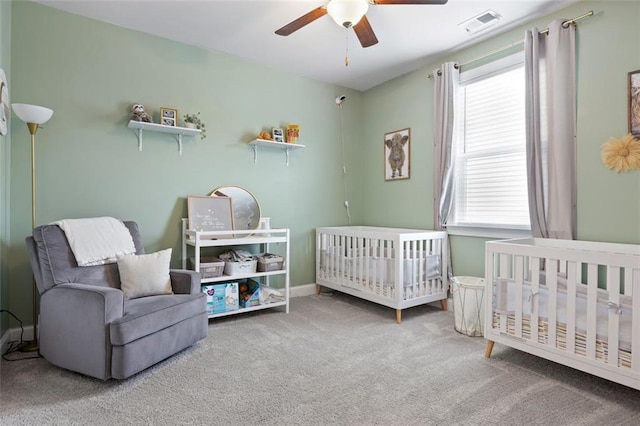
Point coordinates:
pixel 34 116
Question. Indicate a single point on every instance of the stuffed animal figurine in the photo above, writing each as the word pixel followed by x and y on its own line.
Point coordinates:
pixel 138 114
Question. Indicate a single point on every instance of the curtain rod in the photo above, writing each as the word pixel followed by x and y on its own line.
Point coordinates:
pixel 565 24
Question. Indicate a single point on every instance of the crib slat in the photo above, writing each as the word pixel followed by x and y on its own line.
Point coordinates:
pixel 573 274
pixel 503 287
pixel 628 281
pixel 519 272
pixel 366 261
pixel 552 297
pixel 535 300
pixel 592 302
pixel 334 256
pixel 342 259
pixel 422 266
pixel 613 288
pixel 635 321
pixel 413 269
pixel 399 275
pixel 504 265
pixel 376 264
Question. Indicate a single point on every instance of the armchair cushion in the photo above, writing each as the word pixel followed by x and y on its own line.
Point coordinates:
pixel 147 315
pixel 145 274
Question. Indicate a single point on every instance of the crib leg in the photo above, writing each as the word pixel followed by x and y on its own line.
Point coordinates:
pixel 318 289
pixel 443 303
pixel 398 316
pixel 487 352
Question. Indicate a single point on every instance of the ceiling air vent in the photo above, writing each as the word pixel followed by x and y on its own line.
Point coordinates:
pixel 480 22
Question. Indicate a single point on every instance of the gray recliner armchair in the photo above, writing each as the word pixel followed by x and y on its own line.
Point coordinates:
pixel 88 326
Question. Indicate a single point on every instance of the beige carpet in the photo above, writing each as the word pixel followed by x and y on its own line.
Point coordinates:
pixel 333 360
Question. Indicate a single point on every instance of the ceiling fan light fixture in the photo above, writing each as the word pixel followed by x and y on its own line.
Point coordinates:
pixel 347 13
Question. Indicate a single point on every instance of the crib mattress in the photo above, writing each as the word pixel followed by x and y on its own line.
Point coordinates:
pixel 603 308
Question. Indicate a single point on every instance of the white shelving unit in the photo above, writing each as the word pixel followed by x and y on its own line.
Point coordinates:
pixel 263 237
pixel 286 147
pixel 160 128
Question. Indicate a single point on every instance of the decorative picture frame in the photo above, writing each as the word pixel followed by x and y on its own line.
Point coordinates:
pixel 293 132
pixel 277 134
pixel 397 154
pixel 168 116
pixel 633 91
pixel 5 113
pixel 206 213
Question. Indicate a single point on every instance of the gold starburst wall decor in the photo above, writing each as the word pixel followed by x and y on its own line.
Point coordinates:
pixel 622 155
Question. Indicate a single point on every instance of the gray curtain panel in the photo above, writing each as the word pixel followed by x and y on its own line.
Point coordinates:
pixel 446 82
pixel 551 131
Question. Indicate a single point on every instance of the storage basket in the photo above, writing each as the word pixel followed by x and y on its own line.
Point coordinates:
pixel 210 267
pixel 468 305
pixel 268 262
pixel 239 268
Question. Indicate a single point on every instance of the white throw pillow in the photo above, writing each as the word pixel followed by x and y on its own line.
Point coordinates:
pixel 145 274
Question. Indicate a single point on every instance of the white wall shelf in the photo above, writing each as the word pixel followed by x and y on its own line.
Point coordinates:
pixel 286 147
pixel 160 128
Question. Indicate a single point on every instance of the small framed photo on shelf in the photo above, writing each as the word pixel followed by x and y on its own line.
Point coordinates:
pixel 277 134
pixel 168 116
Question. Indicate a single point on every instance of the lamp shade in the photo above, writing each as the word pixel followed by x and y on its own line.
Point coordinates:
pixel 347 13
pixel 32 113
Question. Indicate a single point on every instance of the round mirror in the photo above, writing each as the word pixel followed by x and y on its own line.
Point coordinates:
pixel 246 209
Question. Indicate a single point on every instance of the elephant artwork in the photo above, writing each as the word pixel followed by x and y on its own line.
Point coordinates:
pixel 396 154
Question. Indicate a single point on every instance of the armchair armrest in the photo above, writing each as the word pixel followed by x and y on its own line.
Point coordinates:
pixel 184 281
pixel 74 325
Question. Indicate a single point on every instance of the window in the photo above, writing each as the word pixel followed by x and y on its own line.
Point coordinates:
pixel 489 145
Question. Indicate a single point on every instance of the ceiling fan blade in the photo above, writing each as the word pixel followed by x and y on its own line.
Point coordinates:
pixel 302 21
pixel 409 1
pixel 365 33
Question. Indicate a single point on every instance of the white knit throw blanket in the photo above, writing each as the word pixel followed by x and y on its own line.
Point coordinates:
pixel 97 240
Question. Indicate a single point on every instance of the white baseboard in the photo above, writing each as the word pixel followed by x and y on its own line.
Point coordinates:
pixel 13 335
pixel 4 342
pixel 302 290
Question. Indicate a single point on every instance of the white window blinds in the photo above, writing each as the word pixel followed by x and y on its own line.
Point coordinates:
pixel 490 163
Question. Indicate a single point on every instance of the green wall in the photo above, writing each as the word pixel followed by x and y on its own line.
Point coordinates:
pixel 88 163
pixel 5 163
pixel 608 203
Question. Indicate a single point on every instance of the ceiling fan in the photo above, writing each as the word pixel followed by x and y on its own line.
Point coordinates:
pixel 348 14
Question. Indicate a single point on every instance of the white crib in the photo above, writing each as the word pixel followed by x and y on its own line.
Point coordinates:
pixel 573 302
pixel 398 268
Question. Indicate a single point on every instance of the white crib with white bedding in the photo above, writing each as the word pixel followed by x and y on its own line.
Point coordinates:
pixel 398 268
pixel 573 302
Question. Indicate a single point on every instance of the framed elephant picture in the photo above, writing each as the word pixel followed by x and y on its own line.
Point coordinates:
pixel 397 154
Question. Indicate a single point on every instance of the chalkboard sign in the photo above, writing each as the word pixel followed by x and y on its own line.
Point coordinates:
pixel 208 213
